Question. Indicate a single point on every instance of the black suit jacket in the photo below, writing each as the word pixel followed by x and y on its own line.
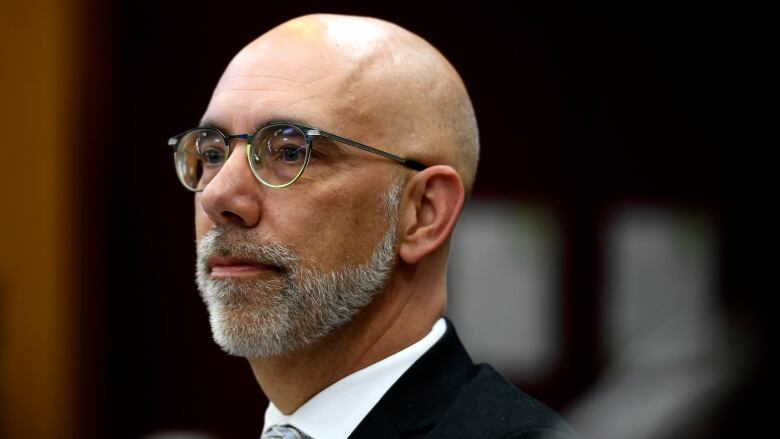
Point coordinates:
pixel 445 395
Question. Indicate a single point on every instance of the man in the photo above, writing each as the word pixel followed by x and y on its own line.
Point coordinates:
pixel 331 282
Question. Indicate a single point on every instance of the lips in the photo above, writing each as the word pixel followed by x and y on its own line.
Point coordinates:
pixel 222 267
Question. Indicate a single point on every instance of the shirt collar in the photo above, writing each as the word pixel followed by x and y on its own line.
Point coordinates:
pixel 338 409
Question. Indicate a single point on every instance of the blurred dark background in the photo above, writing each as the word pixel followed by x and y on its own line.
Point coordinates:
pixel 583 113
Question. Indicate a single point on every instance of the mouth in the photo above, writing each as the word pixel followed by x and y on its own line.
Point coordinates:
pixel 223 268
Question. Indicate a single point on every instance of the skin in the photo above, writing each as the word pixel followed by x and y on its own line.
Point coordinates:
pixel 374 82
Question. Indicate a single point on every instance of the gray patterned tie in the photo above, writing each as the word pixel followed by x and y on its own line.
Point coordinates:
pixel 284 432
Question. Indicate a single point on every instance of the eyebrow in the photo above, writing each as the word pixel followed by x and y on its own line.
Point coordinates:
pixel 209 123
pixel 332 144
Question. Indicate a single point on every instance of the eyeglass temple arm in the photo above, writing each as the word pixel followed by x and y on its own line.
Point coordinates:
pixel 413 164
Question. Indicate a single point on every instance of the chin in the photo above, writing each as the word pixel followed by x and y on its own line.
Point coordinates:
pixel 249 333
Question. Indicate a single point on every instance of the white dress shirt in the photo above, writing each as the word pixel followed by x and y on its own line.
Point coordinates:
pixel 338 409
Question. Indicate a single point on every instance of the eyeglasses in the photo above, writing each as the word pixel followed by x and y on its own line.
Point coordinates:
pixel 278 153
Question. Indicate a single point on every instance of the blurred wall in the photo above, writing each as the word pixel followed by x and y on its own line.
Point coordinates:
pixel 37 310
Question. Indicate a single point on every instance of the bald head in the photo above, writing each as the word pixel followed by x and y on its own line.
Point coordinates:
pixel 370 79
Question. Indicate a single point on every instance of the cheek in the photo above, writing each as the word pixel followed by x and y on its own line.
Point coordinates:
pixel 344 228
pixel 202 222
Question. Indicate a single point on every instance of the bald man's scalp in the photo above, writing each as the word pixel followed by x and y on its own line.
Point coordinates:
pixel 382 81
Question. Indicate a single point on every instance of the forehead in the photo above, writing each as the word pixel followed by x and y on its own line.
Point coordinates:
pixel 286 83
pixel 241 99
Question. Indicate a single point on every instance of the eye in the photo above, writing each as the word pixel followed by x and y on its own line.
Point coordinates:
pixel 210 148
pixel 213 156
pixel 292 153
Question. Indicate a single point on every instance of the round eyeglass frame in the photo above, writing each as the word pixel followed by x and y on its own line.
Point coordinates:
pixel 309 134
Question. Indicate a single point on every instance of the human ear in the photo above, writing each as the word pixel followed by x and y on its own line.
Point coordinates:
pixel 435 200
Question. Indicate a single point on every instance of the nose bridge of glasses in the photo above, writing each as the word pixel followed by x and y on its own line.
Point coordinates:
pixel 230 149
pixel 229 140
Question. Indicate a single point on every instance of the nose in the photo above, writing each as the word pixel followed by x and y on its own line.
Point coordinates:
pixel 232 197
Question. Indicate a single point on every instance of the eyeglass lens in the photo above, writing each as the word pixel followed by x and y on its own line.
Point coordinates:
pixel 277 155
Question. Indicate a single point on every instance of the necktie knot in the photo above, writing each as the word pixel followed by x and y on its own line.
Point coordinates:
pixel 284 432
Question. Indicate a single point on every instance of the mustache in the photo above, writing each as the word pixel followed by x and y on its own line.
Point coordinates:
pixel 236 243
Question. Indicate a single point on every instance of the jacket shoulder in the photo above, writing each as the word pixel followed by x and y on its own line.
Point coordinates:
pixel 489 406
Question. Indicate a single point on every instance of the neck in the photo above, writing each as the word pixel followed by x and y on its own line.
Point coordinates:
pixel 398 317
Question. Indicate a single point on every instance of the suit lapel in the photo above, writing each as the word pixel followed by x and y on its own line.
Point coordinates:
pixel 418 400
pixel 376 425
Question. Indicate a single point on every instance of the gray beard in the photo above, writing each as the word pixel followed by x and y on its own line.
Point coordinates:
pixel 262 318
